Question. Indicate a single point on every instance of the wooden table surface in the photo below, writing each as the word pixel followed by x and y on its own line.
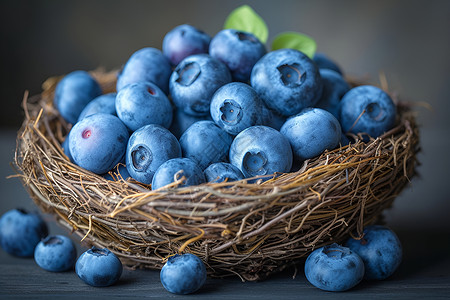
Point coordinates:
pixel 423 274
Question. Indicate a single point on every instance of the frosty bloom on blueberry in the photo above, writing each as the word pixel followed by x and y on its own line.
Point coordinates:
pixel 367 109
pixel 55 253
pixel 98 142
pixel 175 169
pixel 261 150
pixel 205 143
pixel 311 132
pixel 98 267
pixel 287 81
pixel 236 106
pixel 380 249
pixel 194 81
pixel 102 104
pixel 147 64
pixel 183 41
pixel 334 268
pixel 238 50
pixel 73 93
pixel 142 103
pixel 183 274
pixel 21 231
pixel 148 148
pixel 221 171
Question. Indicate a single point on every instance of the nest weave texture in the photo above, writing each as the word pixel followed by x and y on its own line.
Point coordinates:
pixel 247 228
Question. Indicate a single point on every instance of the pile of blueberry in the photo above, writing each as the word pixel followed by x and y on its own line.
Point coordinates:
pixel 209 109
pixel 24 234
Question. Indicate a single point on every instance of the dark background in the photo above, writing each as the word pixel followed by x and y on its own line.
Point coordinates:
pixel 409 41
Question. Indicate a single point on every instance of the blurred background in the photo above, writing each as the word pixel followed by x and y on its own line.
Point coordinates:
pixel 407 40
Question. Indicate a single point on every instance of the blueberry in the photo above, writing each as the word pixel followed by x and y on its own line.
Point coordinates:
pixel 221 171
pixel 324 62
pixel 261 150
pixel 272 118
pixel 102 104
pixel 194 81
pixel 148 148
pixel 236 106
pixel 181 121
pixel 21 231
pixel 334 268
pixel 183 274
pixel 334 88
pixel 183 41
pixel 148 65
pixel 311 132
pixel 238 50
pixel 205 143
pixel 175 169
pixel 143 103
pixel 287 81
pixel 367 109
pixel 73 93
pixel 98 142
pixel 55 253
pixel 98 267
pixel 380 249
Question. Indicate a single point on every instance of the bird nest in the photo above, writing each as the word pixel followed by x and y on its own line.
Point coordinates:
pixel 250 228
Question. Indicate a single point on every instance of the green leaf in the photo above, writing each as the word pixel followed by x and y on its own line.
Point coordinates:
pixel 244 18
pixel 295 40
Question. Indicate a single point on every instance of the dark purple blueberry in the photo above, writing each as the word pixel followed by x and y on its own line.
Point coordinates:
pixel 183 41
pixel 238 50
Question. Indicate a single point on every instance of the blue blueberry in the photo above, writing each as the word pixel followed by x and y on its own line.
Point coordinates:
pixel 102 104
pixel 236 106
pixel 367 109
pixel 21 231
pixel 221 171
pixel 205 143
pixel 148 65
pixel 55 253
pixel 261 150
pixel 287 81
pixel 311 132
pixel 380 250
pixel 324 62
pixel 334 88
pixel 142 103
pixel 194 81
pixel 238 50
pixel 183 41
pixel 98 267
pixel 334 268
pixel 271 118
pixel 183 274
pixel 181 121
pixel 175 169
pixel 148 148
pixel 98 142
pixel 74 92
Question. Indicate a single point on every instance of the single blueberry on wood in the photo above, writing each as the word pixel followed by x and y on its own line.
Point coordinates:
pixel 334 268
pixel 183 274
pixel 55 253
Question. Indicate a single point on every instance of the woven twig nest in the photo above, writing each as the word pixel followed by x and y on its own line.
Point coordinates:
pixel 248 228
